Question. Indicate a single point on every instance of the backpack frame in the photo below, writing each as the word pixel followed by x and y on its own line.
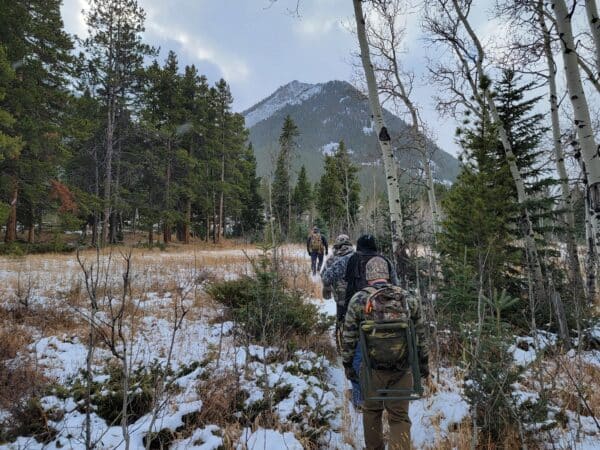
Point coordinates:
pixel 414 393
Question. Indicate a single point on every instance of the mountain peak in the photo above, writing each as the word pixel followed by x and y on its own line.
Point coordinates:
pixel 293 93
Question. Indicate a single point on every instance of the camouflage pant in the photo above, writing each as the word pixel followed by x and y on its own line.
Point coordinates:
pixel 397 410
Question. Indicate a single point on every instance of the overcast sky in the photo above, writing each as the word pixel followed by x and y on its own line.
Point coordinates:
pixel 258 47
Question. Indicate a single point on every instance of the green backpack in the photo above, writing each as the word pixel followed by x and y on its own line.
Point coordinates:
pixel 316 243
pixel 386 328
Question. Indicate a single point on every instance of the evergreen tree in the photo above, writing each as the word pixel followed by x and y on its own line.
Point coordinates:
pixel 476 237
pixel 482 231
pixel 303 196
pixel 339 191
pixel 251 217
pixel 525 130
pixel 282 188
pixel 350 185
pixel 10 145
pixel 38 48
pixel 163 116
pixel 114 59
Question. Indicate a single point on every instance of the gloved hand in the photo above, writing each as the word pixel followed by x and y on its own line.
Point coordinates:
pixel 424 367
pixel 350 372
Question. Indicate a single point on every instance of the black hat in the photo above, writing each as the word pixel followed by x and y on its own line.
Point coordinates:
pixel 366 242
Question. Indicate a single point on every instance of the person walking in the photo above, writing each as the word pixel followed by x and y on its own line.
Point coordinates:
pixel 316 246
pixel 366 248
pixel 333 280
pixel 390 367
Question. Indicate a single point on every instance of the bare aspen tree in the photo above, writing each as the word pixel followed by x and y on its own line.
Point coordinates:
pixel 582 120
pixel 385 40
pixel 567 200
pixel 387 152
pixel 471 56
pixel 591 11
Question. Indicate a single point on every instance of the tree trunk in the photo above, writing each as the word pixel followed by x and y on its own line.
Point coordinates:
pixel 167 224
pixel 221 198
pixel 569 216
pixel 581 116
pixel 11 223
pixel 187 222
pixel 110 130
pixel 151 234
pixel 389 162
pixel 31 233
pixel 590 260
pixel 522 197
pixel 592 15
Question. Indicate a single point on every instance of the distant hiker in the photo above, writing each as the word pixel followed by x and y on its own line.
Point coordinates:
pixel 316 246
pixel 390 367
pixel 366 248
pixel 333 278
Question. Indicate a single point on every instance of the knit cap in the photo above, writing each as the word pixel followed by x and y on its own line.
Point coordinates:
pixel 377 268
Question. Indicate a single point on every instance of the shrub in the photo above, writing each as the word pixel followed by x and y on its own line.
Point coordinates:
pixel 268 311
pixel 107 397
pixel 28 418
pixel 489 386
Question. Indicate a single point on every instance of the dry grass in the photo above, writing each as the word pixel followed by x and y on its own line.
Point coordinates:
pixel 19 378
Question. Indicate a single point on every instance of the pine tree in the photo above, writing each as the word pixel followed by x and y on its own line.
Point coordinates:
pixel 10 145
pixel 330 197
pixel 303 196
pixel 482 230
pixel 339 191
pixel 476 232
pixel 525 130
pixel 114 58
pixel 251 216
pixel 282 188
pixel 163 116
pixel 350 185
pixel 38 48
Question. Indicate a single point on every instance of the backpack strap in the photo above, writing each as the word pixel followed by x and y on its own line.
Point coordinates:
pixel 372 291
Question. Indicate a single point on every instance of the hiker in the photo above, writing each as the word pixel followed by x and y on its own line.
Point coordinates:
pixel 381 300
pixel 316 246
pixel 333 279
pixel 366 248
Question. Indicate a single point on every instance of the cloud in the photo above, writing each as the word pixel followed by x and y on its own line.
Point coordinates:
pixel 316 27
pixel 73 16
pixel 231 67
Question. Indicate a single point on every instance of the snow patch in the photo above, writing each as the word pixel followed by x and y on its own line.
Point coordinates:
pixel 265 439
pixel 526 348
pixel 330 149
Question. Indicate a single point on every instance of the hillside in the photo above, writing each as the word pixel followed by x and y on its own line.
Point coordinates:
pixel 326 113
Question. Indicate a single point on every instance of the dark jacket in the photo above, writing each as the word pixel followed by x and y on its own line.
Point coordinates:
pixel 355 271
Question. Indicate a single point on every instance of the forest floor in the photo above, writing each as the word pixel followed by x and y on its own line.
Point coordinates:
pixel 218 391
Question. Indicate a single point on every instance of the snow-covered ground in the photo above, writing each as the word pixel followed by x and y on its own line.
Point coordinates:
pixel 304 394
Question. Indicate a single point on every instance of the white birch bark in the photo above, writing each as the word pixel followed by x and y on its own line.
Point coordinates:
pixel 585 134
pixel 567 200
pixel 389 162
pixel 386 42
pixel 522 197
pixel 592 14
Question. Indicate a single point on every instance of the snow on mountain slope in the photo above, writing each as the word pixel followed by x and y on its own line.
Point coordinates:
pixel 292 93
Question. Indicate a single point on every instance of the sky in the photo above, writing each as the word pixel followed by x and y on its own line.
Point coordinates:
pixel 257 46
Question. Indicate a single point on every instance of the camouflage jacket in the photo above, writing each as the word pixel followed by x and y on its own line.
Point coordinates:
pixel 335 267
pixel 356 315
pixel 332 274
